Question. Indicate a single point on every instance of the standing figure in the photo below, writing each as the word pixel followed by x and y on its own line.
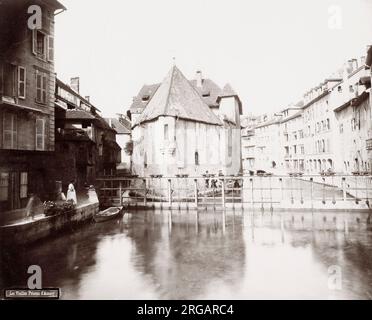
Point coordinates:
pixel 71 193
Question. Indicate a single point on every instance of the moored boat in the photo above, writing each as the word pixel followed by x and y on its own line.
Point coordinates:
pixel 108 214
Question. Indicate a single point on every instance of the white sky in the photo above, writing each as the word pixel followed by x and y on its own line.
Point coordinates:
pixel 270 51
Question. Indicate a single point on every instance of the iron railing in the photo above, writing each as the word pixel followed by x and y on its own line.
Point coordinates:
pixel 311 191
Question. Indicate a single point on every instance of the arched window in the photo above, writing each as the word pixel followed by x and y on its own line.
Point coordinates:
pixel 196 158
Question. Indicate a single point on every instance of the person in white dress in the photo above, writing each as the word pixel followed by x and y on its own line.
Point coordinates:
pixel 71 193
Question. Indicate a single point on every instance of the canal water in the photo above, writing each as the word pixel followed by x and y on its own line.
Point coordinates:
pixel 205 255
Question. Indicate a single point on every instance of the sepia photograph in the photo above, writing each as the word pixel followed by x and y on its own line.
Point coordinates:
pixel 185 150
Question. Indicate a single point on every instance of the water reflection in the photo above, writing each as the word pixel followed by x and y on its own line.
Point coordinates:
pixel 185 255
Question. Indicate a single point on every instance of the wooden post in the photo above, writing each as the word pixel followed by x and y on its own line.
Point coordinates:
pixel 311 192
pixel 196 192
pixel 252 191
pixel 281 188
pixel 145 194
pixel 223 193
pixel 343 189
pixel 169 192
pixel 120 194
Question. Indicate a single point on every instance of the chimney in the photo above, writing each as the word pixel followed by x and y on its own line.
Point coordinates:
pixel 87 98
pixel 362 60
pixel 355 64
pixel 199 79
pixel 75 84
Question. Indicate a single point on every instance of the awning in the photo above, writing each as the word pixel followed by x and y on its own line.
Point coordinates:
pixel 11 104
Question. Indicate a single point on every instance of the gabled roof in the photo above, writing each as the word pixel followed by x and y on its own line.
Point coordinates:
pixel 144 96
pixel 209 91
pixel 67 88
pixel 176 97
pixel 228 91
pixel 119 127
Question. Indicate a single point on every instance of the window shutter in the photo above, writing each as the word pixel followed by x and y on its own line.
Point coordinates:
pixel 21 82
pixel 50 48
pixel 40 132
pixel 34 42
pixel 38 86
pixel 44 88
pixel 23 186
pixel 14 131
pixel 10 131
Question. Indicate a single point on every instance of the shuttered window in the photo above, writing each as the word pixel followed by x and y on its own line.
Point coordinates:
pixel 21 82
pixel 39 44
pixel 4 186
pixel 41 85
pixel 50 48
pixel 23 185
pixel 40 134
pixel 10 131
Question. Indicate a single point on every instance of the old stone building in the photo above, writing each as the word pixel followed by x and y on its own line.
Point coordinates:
pixel 248 124
pixel 122 126
pixel 27 82
pixel 186 127
pixel 367 81
pixel 330 131
pixel 320 128
pixel 353 115
pixel 292 140
pixel 85 143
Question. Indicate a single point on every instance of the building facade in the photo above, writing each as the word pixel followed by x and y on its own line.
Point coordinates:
pixel 27 82
pixel 367 82
pixel 248 143
pixel 329 131
pixel 86 146
pixel 292 141
pixel 268 151
pixel 122 126
pixel 186 127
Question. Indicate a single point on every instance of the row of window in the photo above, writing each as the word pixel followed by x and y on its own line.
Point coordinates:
pixel 5 185
pixel 297 149
pixel 19 73
pixel 323 125
pixel 322 146
pixel 10 132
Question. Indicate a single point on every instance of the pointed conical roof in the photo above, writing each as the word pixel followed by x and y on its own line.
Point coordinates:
pixel 176 97
pixel 227 91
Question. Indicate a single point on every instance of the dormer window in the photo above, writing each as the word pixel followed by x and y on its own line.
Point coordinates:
pixel 146 98
pixel 206 94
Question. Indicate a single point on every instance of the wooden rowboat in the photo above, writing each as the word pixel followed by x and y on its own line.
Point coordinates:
pixel 108 214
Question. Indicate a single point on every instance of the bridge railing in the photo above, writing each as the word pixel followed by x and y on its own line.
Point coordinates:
pixel 263 190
